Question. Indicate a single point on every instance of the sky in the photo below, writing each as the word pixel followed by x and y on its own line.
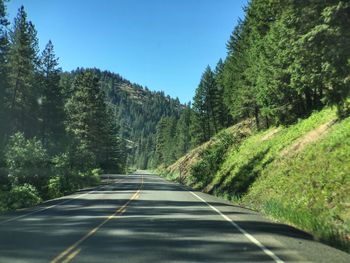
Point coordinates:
pixel 162 44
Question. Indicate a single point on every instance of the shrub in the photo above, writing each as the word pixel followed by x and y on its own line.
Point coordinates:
pixel 94 177
pixel 81 158
pixel 66 175
pixel 211 159
pixel 69 177
pixel 343 110
pixel 27 162
pixel 54 187
pixel 22 196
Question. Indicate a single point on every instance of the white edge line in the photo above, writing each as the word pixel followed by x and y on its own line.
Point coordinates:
pixel 245 233
pixel 51 206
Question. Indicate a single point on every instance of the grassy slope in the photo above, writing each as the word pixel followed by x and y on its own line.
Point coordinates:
pixel 298 174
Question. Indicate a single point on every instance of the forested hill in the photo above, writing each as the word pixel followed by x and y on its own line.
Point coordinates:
pixel 136 111
pixel 59 131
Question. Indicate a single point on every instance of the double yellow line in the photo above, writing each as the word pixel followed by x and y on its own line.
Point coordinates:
pixel 69 254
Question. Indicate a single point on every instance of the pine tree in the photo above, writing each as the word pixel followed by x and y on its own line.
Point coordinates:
pixel 86 120
pixel 212 100
pixel 222 113
pixel 278 101
pixel 321 67
pixel 200 128
pixel 52 105
pixel 113 147
pixel 336 17
pixel 170 143
pixel 208 113
pixel 183 137
pixel 23 95
pixel 3 73
pixel 239 95
pixel 165 140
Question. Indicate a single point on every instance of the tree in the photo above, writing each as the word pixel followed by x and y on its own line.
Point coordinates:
pixel 336 19
pixel 85 112
pixel 3 89
pixel 279 102
pixel 113 146
pixel 22 97
pixel 204 118
pixel 52 105
pixel 165 142
pixel 183 137
pixel 3 73
pixel 239 94
pixel 27 162
pixel 200 129
pixel 286 59
pixel 91 125
pixel 321 67
pixel 221 111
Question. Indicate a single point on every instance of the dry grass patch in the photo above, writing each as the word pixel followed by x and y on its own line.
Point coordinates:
pixel 308 138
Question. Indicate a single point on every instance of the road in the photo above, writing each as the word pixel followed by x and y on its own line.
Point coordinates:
pixel 143 218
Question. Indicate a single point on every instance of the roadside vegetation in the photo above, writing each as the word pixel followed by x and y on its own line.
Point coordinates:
pixel 282 172
pixel 268 126
pixel 284 90
pixel 54 138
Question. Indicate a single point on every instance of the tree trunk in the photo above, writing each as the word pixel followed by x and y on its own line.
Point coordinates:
pixel 308 100
pixel 267 122
pixel 256 113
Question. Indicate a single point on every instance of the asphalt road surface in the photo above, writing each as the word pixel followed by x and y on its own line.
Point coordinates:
pixel 143 218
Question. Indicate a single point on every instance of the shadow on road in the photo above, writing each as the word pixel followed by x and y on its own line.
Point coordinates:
pixel 150 231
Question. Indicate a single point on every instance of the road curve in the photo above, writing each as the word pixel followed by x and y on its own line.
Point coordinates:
pixel 143 218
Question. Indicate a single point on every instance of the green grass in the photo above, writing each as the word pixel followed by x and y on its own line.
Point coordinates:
pixel 319 226
pixel 307 187
pixel 245 164
pixel 315 182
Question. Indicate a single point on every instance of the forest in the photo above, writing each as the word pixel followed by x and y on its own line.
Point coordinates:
pixel 60 130
pixel 285 60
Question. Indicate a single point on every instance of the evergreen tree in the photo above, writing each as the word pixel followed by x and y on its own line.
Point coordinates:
pixel 336 71
pixel 161 141
pixel 3 73
pixel 239 96
pixel 23 95
pixel 165 144
pixel 113 146
pixel 200 128
pixel 212 100
pixel 278 101
pixel 320 70
pixel 208 114
pixel 52 105
pixel 183 137
pixel 222 113
pixel 86 120
pixel 286 59
pixel 170 136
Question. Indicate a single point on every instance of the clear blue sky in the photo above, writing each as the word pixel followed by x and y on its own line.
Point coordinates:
pixel 162 44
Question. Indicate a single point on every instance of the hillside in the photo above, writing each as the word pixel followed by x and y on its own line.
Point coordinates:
pixel 137 110
pixel 298 174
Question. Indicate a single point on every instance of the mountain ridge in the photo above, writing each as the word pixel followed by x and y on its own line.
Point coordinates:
pixel 137 111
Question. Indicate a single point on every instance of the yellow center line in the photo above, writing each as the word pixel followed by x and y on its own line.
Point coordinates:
pixel 71 256
pixel 71 252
